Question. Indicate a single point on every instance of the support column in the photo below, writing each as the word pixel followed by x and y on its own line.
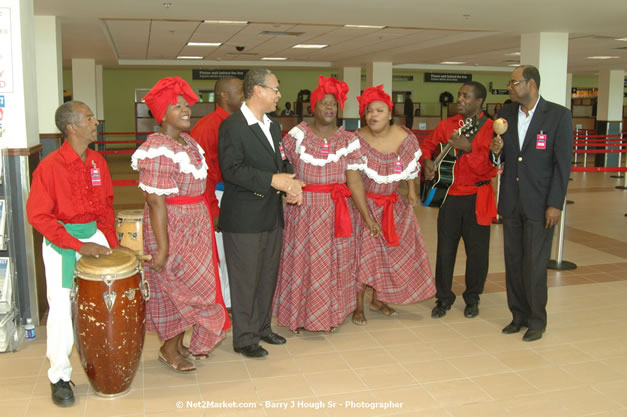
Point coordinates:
pixel 569 91
pixel 610 110
pixel 350 114
pixel 380 73
pixel 84 82
pixel 19 140
pixel 99 110
pixel 548 52
pixel 49 78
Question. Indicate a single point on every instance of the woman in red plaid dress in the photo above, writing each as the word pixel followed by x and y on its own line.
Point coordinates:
pixel 316 285
pixel 395 264
pixel 184 288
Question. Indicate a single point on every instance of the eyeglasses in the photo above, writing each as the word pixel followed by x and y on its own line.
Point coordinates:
pixel 513 83
pixel 275 89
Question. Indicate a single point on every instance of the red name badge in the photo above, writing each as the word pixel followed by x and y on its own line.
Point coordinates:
pixel 282 150
pixel 95 177
pixel 541 141
pixel 398 166
pixel 325 149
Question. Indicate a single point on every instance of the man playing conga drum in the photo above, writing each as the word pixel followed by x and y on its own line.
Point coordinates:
pixel 71 205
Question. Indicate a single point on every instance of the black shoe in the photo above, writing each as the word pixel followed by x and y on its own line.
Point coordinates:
pixel 471 310
pixel 274 339
pixel 533 334
pixel 513 327
pixel 439 310
pixel 251 351
pixel 62 394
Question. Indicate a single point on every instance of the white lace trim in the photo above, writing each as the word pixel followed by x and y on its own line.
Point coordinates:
pixel 355 167
pixel 181 158
pixel 158 191
pixel 332 157
pixel 409 173
pixel 297 133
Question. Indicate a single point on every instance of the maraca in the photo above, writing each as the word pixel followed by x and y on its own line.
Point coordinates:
pixel 500 126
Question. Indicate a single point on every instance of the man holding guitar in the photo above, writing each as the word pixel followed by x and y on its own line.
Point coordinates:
pixel 468 209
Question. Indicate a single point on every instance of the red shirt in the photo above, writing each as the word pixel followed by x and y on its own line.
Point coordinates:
pixel 470 168
pixel 205 132
pixel 62 190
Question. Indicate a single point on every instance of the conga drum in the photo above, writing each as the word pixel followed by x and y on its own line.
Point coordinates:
pixel 109 319
pixel 129 228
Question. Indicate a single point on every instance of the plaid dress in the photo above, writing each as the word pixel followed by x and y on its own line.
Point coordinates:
pixel 184 293
pixel 399 274
pixel 316 284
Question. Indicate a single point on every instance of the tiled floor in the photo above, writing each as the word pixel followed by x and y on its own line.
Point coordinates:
pixel 422 367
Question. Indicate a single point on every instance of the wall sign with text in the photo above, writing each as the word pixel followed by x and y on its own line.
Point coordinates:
pixel 216 74
pixel 446 77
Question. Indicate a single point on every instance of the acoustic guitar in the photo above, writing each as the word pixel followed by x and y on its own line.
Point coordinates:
pixel 433 192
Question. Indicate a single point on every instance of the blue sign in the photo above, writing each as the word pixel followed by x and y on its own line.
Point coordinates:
pixel 1 101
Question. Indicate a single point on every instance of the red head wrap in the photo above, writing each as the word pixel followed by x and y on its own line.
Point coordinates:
pixel 165 92
pixel 371 94
pixel 329 85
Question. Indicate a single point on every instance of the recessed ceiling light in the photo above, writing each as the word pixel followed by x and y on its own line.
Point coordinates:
pixel 188 57
pixel 513 54
pixel 309 46
pixel 204 43
pixel 622 39
pixel 272 58
pixel 452 62
pixel 227 22
pixel 364 26
pixel 167 5
pixel 602 57
pixel 513 65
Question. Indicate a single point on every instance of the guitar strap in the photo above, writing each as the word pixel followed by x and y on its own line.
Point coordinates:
pixel 480 124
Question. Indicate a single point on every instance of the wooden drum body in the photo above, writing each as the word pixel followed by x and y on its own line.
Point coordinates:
pixel 129 228
pixel 109 319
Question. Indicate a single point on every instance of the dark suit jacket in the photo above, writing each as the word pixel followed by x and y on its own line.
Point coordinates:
pixel 539 176
pixel 249 203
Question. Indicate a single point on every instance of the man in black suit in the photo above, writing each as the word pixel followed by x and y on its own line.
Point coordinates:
pixel 256 172
pixel 537 151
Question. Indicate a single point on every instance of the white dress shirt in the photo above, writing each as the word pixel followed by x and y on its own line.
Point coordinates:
pixel 265 125
pixel 524 121
pixel 523 126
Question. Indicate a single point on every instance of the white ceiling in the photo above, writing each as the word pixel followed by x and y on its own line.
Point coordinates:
pixel 417 34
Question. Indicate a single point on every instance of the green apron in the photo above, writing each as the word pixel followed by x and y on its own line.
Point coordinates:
pixel 68 256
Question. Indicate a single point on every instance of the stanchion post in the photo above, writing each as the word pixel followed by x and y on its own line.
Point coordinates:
pixel 585 148
pixel 624 186
pixel 620 159
pixel 576 146
pixel 560 264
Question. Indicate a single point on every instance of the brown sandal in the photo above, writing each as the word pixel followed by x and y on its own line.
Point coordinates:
pixel 386 310
pixel 180 367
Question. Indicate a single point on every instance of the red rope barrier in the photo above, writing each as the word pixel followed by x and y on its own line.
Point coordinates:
pixel 598 169
pixel 117 151
pixel 123 183
pixel 601 151
pixel 105 142
pixel 616 135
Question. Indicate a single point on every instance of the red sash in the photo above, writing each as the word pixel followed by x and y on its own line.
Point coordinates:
pixel 387 223
pixel 485 205
pixel 185 200
pixel 339 192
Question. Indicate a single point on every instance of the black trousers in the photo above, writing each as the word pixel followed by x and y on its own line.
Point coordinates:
pixel 527 250
pixel 456 220
pixel 252 260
